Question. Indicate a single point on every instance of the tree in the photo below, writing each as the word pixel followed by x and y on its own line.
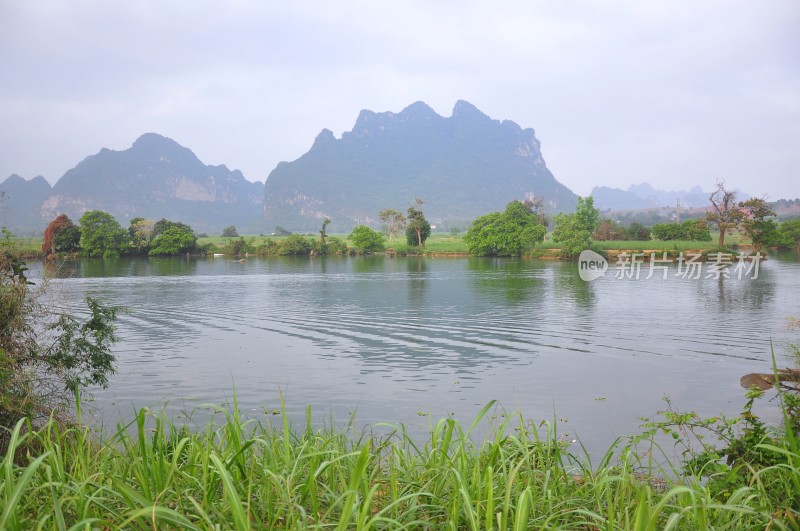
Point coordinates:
pixel 51 233
pixel 637 232
pixel 536 206
pixel 46 358
pixel 102 235
pixel 163 225
pixel 755 224
pixel 608 229
pixel 725 214
pixel 280 231
pixel 175 240
pixel 367 239
pixel 323 234
pixel 295 245
pixel 789 235
pixel 393 222
pixel 695 230
pixel 67 240
pixel 417 227
pixel 574 231
pixel 230 232
pixel 140 234
pixel 509 233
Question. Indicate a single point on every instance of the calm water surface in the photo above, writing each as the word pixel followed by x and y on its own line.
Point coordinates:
pixel 393 339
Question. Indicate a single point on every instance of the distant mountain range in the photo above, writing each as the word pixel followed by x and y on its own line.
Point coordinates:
pixel 155 178
pixel 463 166
pixel 643 195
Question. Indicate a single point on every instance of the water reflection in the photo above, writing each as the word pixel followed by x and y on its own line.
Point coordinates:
pixel 392 335
pixel 515 280
pixel 569 287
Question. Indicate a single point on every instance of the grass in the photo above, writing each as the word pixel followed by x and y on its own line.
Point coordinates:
pixel 244 474
pixel 27 246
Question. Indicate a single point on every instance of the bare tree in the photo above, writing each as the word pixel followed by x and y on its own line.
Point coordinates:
pixel 394 222
pixel 726 215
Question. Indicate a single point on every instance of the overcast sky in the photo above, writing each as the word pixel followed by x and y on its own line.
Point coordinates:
pixel 675 93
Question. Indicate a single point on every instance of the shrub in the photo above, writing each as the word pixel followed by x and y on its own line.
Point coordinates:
pixel 691 230
pixel 46 358
pixel 637 232
pixel 295 245
pixel 509 233
pixel 366 239
pixel 238 247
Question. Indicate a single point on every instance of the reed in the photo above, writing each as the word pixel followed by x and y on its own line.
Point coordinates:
pixel 238 473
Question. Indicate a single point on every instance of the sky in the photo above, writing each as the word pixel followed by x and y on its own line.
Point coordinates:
pixel 675 93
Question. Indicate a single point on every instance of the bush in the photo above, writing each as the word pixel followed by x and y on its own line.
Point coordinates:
pixel 609 230
pixel 239 247
pixel 173 241
pixel 637 232
pixel 336 246
pixel 512 232
pixel 574 231
pixel 67 240
pixel 102 235
pixel 691 230
pixel 295 245
pixel 367 240
pixel 46 358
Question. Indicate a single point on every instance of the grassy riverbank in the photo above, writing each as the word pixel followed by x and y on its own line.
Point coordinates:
pixel 246 475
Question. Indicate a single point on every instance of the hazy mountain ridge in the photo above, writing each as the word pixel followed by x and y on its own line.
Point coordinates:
pixel 643 195
pixel 21 201
pixel 462 166
pixel 155 178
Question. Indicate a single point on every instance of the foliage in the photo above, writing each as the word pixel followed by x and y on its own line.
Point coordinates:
pixel 238 247
pixel 163 225
pixel 67 240
pixel 574 231
pixel 733 454
pixel 417 227
pixel 295 245
pixel 102 235
pixel 394 222
pixel 608 229
pixel 788 236
pixel 336 246
pixel 366 239
pixel 510 233
pixel 140 234
pixel 725 214
pixel 230 232
pixel 46 358
pixel 280 231
pixel 54 229
pixel 175 240
pixel 244 474
pixel 637 232
pixel 691 230
pixel 756 226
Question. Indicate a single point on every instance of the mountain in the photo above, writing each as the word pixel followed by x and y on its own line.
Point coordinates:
pixel 463 166
pixel 606 198
pixel 156 178
pixel 645 196
pixel 21 199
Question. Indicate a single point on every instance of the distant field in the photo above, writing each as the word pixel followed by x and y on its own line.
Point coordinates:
pixel 437 243
pixel 28 245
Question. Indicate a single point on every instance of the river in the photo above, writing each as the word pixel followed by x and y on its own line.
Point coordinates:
pixel 380 339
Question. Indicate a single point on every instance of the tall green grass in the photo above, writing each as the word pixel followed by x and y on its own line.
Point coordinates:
pixel 246 474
